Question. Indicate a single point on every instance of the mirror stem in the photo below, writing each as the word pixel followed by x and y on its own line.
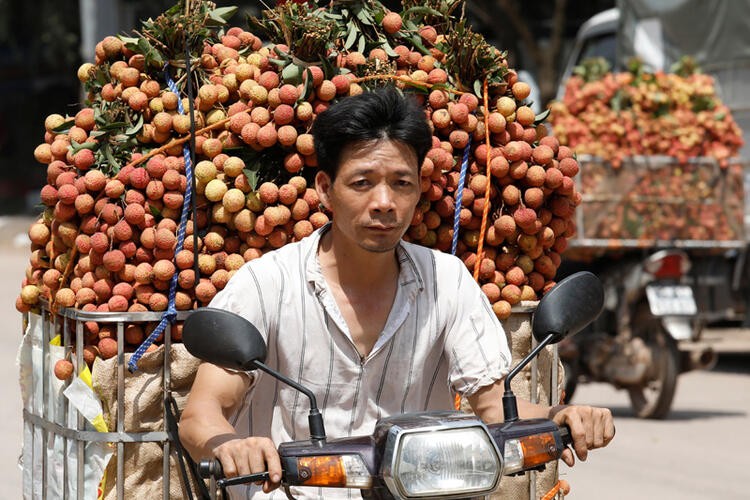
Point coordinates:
pixel 314 418
pixel 510 405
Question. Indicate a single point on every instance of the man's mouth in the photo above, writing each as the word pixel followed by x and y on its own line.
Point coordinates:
pixel 381 227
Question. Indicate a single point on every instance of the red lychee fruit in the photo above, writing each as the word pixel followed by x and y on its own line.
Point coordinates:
pixel 63 369
pixel 392 23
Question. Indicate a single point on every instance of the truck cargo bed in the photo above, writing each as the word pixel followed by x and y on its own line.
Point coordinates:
pixel 657 202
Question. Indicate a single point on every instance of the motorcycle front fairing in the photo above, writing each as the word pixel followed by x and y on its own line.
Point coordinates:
pixel 419 455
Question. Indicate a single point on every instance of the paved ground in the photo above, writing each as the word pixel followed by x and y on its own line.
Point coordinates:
pixel 13 261
pixel 698 453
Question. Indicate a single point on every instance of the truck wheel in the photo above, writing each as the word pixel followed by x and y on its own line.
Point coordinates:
pixel 654 398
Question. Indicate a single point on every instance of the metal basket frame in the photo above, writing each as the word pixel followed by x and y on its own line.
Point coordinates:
pixel 78 437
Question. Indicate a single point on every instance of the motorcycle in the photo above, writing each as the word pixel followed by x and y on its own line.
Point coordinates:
pixel 434 454
pixel 634 345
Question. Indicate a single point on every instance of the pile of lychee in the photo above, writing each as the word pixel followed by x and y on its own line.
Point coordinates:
pixel 628 114
pixel 107 242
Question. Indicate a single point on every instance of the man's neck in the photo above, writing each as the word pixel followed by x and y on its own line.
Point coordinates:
pixel 354 267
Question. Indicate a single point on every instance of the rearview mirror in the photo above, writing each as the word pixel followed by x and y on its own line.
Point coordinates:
pixel 223 338
pixel 568 307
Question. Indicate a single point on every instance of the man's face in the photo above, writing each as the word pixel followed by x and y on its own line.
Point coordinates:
pixel 374 194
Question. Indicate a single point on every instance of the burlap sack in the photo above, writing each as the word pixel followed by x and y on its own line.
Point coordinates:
pixel 518 332
pixel 144 412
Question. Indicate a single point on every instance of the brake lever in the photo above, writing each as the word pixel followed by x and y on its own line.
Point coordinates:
pixel 249 478
pixel 208 468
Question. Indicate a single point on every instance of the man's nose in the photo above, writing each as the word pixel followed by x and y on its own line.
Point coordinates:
pixel 382 199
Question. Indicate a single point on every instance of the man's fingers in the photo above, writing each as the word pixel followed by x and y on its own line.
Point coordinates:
pixel 604 428
pixel 579 434
pixel 228 465
pixel 273 463
pixel 568 458
pixel 256 461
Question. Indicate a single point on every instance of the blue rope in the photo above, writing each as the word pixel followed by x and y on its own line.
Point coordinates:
pixel 460 195
pixel 171 313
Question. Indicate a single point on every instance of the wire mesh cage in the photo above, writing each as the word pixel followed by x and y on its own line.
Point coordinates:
pixel 129 450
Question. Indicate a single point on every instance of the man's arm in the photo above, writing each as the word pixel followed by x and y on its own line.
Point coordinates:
pixel 590 427
pixel 206 432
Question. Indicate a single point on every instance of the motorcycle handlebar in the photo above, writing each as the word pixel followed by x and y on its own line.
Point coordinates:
pixel 565 436
pixel 212 469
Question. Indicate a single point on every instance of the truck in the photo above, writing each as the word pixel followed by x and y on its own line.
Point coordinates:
pixel 665 282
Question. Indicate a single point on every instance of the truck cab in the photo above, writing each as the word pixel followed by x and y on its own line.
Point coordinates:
pixel 597 37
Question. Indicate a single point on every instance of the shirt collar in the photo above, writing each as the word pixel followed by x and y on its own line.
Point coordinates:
pixel 409 275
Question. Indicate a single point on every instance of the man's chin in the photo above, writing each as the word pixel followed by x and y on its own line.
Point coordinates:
pixel 379 245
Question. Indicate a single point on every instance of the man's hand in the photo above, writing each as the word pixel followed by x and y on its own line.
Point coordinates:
pixel 590 428
pixel 240 457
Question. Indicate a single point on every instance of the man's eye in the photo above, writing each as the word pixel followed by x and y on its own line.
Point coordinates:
pixel 360 183
pixel 404 183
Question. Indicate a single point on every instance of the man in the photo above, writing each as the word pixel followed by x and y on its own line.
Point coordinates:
pixel 374 326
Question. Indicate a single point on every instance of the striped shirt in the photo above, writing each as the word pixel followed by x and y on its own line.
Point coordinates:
pixel 441 338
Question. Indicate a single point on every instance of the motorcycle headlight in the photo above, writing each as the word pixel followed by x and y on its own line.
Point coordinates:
pixel 443 462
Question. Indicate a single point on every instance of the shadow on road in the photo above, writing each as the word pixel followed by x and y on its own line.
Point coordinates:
pixel 625 412
pixel 733 363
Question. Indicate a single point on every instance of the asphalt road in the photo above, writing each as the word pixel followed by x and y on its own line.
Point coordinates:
pixel 699 452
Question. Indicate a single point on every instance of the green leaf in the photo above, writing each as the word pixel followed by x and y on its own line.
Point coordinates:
pixel 135 128
pixel 154 211
pixel 292 74
pixel 111 158
pixel 174 10
pixel 364 17
pixel 478 88
pixel 64 126
pixel 308 86
pixel 220 16
pixel 387 47
pixel 416 40
pixel 252 178
pixel 421 10
pixel 352 37
pixel 284 56
pixel 76 147
pixel 418 86
pixel 329 70
pixel 129 41
pixel 409 25
pixel 224 12
pixel 109 127
pixel 144 46
pixel 541 116
pixel 361 45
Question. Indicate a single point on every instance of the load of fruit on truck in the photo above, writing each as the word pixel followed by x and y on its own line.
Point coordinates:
pixel 658 156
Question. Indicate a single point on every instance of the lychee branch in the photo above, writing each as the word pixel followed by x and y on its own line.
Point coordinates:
pixel 486 207
pixel 176 142
pixel 408 81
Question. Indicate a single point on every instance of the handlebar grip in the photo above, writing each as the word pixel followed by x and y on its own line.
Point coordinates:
pixel 210 468
pixel 565 435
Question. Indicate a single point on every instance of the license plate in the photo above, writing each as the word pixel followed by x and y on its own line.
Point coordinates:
pixel 671 300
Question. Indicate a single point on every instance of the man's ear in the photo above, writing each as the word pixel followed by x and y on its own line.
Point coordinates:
pixel 323 186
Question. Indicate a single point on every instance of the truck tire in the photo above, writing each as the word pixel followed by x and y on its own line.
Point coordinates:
pixel 654 399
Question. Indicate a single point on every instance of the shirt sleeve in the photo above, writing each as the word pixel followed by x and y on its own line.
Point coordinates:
pixel 475 345
pixel 249 294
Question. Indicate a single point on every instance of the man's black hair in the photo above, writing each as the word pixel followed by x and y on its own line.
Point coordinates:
pixel 380 114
